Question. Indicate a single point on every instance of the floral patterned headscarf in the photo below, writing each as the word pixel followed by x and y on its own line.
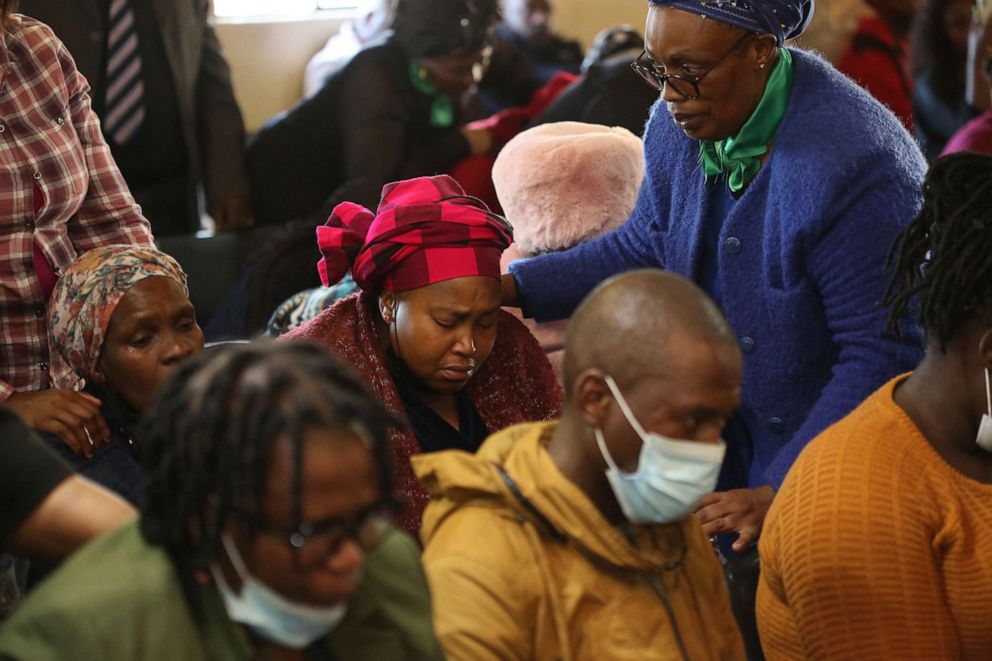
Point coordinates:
pixel 88 293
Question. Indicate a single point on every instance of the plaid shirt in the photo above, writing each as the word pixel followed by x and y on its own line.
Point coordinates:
pixel 49 138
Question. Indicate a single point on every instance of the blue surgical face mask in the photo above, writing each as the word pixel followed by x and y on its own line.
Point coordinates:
pixel 270 615
pixel 672 475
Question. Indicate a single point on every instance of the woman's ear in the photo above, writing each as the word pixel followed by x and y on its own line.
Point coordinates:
pixel 592 396
pixel 387 306
pixel 985 348
pixel 766 48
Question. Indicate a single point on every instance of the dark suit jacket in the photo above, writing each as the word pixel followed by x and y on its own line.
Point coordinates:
pixel 213 128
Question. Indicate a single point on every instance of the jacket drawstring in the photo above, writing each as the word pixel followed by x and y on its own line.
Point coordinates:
pixel 659 589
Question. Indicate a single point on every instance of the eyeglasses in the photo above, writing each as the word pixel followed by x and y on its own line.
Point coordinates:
pixel 687 86
pixel 313 543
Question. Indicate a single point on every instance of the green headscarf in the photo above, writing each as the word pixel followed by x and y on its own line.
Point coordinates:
pixel 740 155
pixel 442 107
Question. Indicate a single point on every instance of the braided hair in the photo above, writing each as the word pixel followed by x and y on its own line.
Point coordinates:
pixel 944 256
pixel 207 441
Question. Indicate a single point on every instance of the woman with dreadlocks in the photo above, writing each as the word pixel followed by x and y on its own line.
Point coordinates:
pixel 876 544
pixel 262 534
pixel 426 330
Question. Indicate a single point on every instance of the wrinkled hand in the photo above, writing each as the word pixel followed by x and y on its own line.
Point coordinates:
pixel 232 212
pixel 738 510
pixel 74 416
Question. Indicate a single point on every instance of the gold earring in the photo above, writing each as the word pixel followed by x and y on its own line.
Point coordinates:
pixel 761 66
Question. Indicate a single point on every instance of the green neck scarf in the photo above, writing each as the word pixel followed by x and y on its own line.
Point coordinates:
pixel 740 155
pixel 442 108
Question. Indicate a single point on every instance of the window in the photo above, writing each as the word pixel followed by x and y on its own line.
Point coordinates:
pixel 275 8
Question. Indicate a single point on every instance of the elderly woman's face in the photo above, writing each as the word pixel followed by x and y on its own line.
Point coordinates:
pixel 685 44
pixel 152 329
pixel 445 331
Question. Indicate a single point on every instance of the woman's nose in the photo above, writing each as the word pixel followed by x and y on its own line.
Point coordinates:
pixel 668 93
pixel 466 344
pixel 179 347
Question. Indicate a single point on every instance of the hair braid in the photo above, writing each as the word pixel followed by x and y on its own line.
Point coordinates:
pixel 944 256
pixel 207 441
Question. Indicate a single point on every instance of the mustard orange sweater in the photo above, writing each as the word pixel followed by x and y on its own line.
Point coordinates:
pixel 875 548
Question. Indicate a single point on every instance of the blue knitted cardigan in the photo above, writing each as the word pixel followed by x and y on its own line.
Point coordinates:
pixel 801 256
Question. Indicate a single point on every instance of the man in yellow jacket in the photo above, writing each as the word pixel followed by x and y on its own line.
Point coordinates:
pixel 574 539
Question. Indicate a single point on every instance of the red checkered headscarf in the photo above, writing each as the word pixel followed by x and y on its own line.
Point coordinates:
pixel 427 230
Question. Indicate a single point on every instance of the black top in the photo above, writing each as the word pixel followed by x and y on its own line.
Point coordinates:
pixel 114 465
pixel 609 93
pixel 432 431
pixel 28 473
pixel 548 54
pixel 367 126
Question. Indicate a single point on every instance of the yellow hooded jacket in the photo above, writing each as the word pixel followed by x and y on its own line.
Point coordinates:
pixel 542 575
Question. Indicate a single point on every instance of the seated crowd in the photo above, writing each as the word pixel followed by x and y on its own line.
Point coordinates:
pixel 714 388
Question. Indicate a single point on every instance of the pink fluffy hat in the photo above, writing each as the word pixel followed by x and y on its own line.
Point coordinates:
pixel 564 183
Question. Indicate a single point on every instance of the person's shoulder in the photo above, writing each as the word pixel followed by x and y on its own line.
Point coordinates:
pixel 455 539
pixel 876 446
pixel 33 36
pixel 975 136
pixel 117 574
pixel 397 556
pixel 831 118
pixel 119 565
pixel 340 318
pixel 519 368
pixel 389 616
pixel 29 28
pixel 381 57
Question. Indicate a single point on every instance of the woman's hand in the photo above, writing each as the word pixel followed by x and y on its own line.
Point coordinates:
pixel 739 510
pixel 231 213
pixel 74 416
pixel 510 297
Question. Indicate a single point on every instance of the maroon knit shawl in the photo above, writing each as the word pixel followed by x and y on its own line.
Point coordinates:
pixel 516 384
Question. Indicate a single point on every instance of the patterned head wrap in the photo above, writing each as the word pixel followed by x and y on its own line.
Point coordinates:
pixel 426 231
pixel 88 293
pixel 786 19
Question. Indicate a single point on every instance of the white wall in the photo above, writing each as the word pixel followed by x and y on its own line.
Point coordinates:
pixel 267 58
pixel 267 61
pixel 582 19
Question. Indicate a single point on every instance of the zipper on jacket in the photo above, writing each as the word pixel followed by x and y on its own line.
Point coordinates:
pixel 659 589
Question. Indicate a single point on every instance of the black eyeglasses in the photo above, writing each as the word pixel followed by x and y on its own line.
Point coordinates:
pixel 687 86
pixel 313 543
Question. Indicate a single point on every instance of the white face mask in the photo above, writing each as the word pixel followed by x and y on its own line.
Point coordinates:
pixel 672 475
pixel 984 438
pixel 269 614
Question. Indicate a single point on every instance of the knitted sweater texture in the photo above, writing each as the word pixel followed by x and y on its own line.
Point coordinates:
pixel 876 548
pixel 801 257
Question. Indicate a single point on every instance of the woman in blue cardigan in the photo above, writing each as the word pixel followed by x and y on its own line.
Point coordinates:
pixel 778 185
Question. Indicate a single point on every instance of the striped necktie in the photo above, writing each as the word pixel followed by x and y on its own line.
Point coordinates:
pixel 125 108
